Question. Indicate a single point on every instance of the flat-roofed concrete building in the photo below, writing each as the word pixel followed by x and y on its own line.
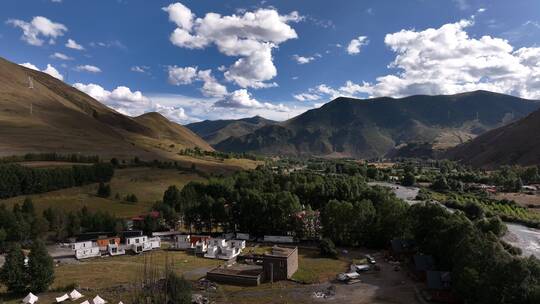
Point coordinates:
pixel 237 274
pixel 280 264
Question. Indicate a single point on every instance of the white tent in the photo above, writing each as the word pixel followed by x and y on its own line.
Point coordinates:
pixel 75 295
pixel 30 299
pixel 98 300
pixel 62 298
pixel 85 302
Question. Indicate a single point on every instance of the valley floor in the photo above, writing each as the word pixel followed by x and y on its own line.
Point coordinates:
pixel 148 184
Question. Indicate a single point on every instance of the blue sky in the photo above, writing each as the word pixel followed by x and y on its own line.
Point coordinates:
pixel 195 60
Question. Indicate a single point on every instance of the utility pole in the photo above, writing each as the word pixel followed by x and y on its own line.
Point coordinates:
pixel 31 86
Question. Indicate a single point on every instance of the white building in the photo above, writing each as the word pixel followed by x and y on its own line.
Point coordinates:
pixel 201 246
pixel 242 236
pixel 87 252
pixel 142 243
pixel 114 250
pixel 81 245
pixel 155 242
pixel 183 242
pixel 224 249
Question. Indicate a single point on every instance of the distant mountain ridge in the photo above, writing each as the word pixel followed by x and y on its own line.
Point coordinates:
pixel 215 131
pixel 515 144
pixel 348 127
pixel 55 117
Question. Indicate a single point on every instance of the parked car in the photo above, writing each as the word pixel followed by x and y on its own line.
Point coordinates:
pixel 370 259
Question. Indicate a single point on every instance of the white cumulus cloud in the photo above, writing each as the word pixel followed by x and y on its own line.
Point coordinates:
pixel 303 59
pixel 61 56
pixel 38 29
pixel 140 69
pixel 132 103
pixel 446 60
pixel 88 68
pixel 307 97
pixel 242 99
pixel 72 44
pixel 250 36
pixel 187 75
pixel 49 69
pixel 356 45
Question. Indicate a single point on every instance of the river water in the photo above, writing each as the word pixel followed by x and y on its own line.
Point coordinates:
pixel 525 238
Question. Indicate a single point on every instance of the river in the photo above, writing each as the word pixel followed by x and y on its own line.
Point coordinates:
pixel 525 238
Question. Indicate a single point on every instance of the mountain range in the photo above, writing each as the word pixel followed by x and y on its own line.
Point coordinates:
pixel 215 131
pixel 39 113
pixel 371 128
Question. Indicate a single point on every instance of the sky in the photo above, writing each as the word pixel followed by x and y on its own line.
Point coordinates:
pixel 202 59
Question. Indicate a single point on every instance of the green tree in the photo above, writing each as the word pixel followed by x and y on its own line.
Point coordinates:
pixel 40 267
pixel 440 184
pixel 104 190
pixel 408 179
pixel 28 207
pixel 171 197
pixel 13 273
pixel 327 248
pixel 3 238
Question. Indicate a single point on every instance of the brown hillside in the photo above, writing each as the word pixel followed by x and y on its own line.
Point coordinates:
pixel 171 131
pixel 515 144
pixel 55 117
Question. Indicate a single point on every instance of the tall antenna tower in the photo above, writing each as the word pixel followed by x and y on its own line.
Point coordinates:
pixel 30 82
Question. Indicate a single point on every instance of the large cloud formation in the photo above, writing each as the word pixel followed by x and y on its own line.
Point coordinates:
pixel 40 28
pixel 132 103
pixel 250 36
pixel 447 60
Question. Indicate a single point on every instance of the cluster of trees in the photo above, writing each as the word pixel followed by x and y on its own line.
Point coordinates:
pixel 24 225
pixel 132 198
pixel 216 154
pixel 35 272
pixel 20 180
pixel 63 224
pixel 21 224
pixel 264 202
pixel 483 271
pixel 73 158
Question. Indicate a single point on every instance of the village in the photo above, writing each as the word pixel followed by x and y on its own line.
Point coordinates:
pixel 267 261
